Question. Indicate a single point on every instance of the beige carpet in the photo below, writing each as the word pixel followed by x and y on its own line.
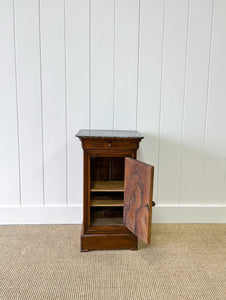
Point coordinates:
pixel 44 262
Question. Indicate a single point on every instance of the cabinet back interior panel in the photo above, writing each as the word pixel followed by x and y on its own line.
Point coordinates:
pixel 107 168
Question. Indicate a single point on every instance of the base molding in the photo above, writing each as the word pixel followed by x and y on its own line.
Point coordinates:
pixel 41 215
pixel 108 242
pixel 73 214
pixel 189 214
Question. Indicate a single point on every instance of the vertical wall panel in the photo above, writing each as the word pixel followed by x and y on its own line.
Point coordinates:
pixel 176 13
pixel 53 91
pixel 126 63
pixel 224 192
pixel 215 146
pixel 9 164
pixel 151 37
pixel 29 100
pixel 77 58
pixel 195 104
pixel 102 58
pixel 155 66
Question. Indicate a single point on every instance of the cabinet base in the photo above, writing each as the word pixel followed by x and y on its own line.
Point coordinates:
pixel 108 242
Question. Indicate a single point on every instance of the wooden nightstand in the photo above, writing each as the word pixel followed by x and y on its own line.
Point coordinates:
pixel 117 204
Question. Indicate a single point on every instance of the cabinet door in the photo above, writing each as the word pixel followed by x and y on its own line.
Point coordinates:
pixel 138 191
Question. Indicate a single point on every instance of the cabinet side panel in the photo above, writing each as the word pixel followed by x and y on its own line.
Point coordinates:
pixel 86 188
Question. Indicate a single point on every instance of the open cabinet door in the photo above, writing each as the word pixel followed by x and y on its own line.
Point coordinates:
pixel 138 191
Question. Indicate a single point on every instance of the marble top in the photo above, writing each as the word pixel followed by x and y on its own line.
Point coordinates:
pixel 108 134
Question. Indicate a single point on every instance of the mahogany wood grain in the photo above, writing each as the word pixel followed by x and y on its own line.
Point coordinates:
pixel 138 193
pixel 104 160
pixel 108 241
pixel 110 144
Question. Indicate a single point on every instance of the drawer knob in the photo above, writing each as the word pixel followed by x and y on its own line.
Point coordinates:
pixel 109 145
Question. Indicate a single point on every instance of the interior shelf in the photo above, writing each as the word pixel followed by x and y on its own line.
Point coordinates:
pixel 107 221
pixel 107 186
pixel 100 202
pixel 109 199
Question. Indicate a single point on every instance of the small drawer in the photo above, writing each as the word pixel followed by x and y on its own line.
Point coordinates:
pixel 123 144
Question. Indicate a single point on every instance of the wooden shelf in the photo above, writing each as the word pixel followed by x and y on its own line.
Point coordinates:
pixel 107 221
pixel 111 203
pixel 110 199
pixel 107 186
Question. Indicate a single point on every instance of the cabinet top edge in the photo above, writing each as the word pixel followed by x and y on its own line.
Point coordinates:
pixel 86 133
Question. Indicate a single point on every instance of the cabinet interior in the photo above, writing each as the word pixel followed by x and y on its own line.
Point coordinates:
pixel 106 190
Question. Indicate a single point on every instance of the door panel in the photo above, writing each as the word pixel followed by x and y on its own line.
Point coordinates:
pixel 138 191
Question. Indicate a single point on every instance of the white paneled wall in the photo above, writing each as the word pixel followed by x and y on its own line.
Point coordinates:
pixel 158 67
pixel 28 82
pixel 52 44
pixel 102 62
pixel 77 91
pixel 195 112
pixel 126 63
pixel 9 147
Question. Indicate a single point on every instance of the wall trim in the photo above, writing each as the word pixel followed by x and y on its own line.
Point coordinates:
pixel 73 214
pixel 41 215
pixel 189 214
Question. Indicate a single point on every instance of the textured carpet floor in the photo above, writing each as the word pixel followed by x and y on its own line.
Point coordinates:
pixel 44 262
